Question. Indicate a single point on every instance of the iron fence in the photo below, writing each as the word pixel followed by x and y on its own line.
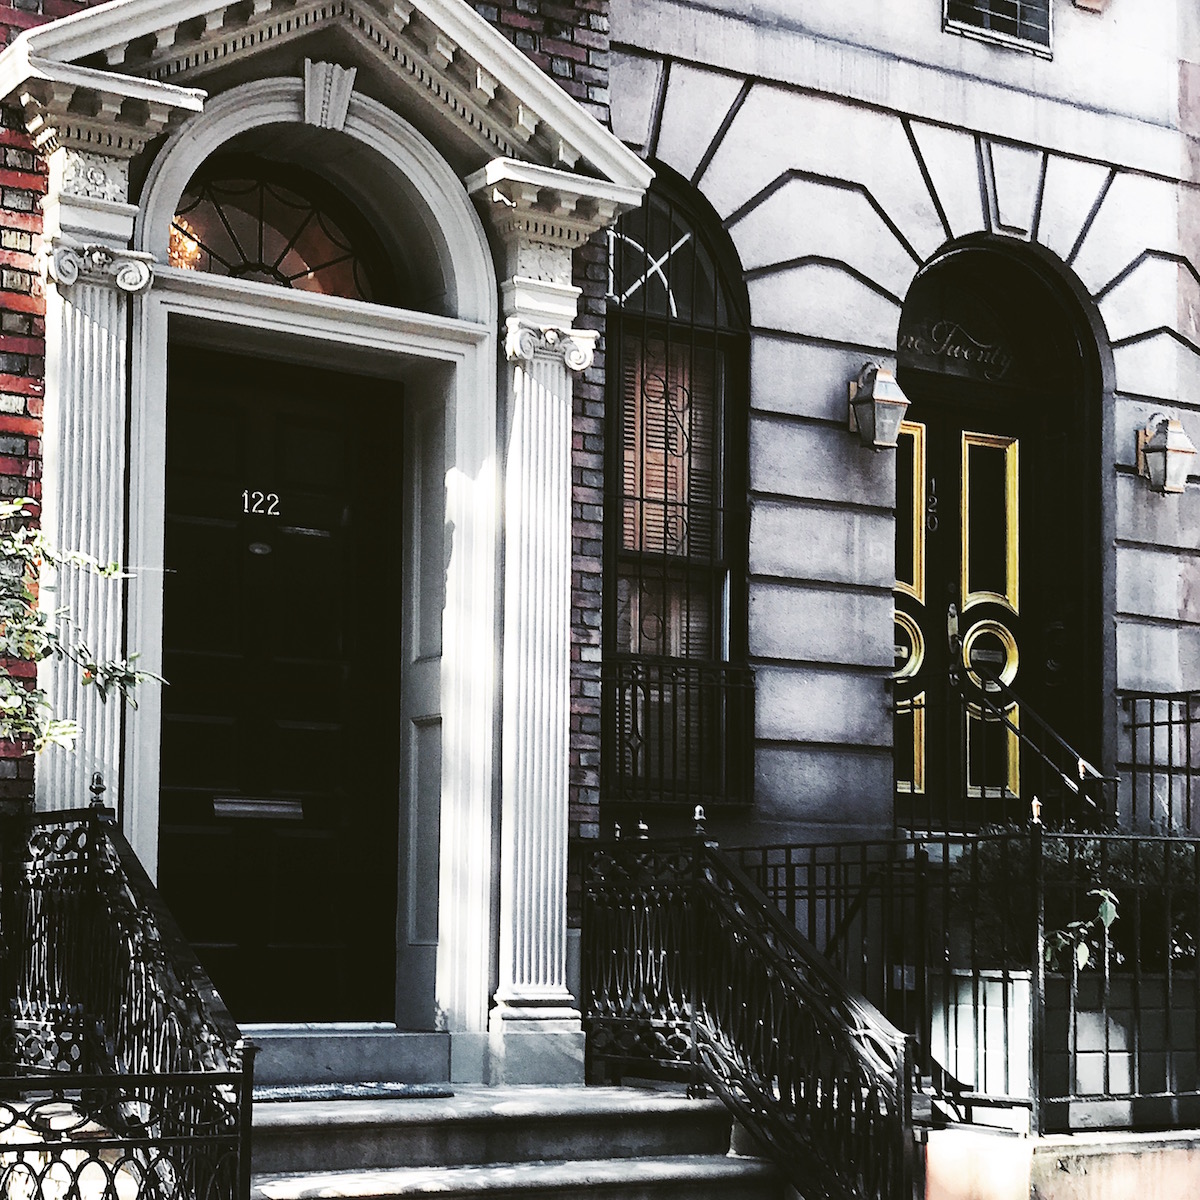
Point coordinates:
pixel 688 970
pixel 1048 971
pixel 1159 762
pixel 122 1072
pixel 678 733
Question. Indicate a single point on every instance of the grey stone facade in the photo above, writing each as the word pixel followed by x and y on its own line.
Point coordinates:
pixel 843 145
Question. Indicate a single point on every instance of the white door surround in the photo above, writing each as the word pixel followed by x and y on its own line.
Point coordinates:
pixel 504 391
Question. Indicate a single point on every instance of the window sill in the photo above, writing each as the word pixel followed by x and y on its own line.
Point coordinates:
pixel 998 39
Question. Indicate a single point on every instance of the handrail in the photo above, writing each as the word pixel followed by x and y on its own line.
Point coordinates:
pixel 112 1016
pixel 216 1043
pixel 1079 778
pixel 688 965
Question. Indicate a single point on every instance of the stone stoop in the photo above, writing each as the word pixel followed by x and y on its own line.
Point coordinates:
pixel 567 1143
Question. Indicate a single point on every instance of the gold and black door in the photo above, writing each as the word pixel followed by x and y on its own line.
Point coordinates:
pixel 995 541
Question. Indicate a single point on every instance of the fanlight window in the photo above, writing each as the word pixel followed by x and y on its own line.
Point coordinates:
pixel 248 219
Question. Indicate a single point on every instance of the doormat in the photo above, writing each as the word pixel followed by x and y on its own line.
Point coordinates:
pixel 351 1091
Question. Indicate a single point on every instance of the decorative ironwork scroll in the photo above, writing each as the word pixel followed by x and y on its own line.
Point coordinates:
pixel 124 1073
pixel 690 971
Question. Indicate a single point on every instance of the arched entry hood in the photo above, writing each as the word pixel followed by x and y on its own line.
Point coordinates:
pixel 113 77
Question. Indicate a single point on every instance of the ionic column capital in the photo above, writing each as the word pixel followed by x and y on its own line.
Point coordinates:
pixel 524 340
pixel 66 263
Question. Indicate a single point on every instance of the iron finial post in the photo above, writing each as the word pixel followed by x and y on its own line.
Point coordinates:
pixel 698 817
pixel 97 789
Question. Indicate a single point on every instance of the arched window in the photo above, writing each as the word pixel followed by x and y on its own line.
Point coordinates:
pixel 678 699
pixel 248 218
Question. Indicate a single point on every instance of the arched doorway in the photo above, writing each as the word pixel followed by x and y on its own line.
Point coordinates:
pixel 325 319
pixel 998 566
pixel 280 790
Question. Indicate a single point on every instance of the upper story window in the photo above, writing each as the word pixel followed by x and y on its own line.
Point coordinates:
pixel 248 218
pixel 678 695
pixel 1023 24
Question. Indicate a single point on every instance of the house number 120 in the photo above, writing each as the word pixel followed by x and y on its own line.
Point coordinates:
pixel 264 503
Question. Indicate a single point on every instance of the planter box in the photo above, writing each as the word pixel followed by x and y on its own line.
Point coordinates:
pixel 979 1029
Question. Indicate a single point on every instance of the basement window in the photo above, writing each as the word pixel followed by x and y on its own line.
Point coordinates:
pixel 1021 24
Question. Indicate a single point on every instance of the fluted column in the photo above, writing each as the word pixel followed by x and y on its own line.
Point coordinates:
pixel 91 279
pixel 536 1028
pixel 539 216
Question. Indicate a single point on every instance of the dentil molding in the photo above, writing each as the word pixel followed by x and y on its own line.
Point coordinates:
pixel 575 347
pixel 125 270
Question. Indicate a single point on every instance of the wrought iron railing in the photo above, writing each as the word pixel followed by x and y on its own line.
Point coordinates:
pixel 677 732
pixel 992 951
pixel 1159 762
pixel 688 970
pixel 1002 754
pixel 123 1074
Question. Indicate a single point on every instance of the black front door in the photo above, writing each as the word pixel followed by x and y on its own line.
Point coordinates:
pixel 281 650
pixel 996 559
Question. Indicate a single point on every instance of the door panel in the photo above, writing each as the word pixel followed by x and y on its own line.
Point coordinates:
pixel 280 740
pixel 959 551
pixel 425 550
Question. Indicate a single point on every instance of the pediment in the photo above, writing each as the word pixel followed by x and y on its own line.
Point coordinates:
pixel 114 76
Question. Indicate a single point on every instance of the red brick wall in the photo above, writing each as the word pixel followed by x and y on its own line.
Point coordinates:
pixel 22 322
pixel 568 39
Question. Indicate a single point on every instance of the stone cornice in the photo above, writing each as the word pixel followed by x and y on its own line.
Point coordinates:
pixel 95 110
pixel 525 200
pixel 68 263
pixel 442 49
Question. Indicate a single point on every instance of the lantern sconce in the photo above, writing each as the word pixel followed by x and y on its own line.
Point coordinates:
pixel 877 406
pixel 1164 454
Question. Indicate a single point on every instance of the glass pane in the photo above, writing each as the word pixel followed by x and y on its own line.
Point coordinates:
pixel 667 613
pixel 660 267
pixel 1028 20
pixel 249 226
pixel 670 458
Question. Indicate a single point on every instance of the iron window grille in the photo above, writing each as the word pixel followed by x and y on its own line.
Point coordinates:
pixel 677 696
pixel 1022 24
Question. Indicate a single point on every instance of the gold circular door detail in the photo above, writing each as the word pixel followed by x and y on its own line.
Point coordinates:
pixel 910 640
pixel 991 643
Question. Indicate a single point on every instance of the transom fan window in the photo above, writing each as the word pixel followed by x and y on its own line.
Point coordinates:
pixel 250 219
pixel 678 697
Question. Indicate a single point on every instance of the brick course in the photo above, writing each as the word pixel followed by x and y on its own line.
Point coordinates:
pixel 22 324
pixel 569 40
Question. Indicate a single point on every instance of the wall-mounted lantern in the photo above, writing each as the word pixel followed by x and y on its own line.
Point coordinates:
pixel 877 406
pixel 1164 454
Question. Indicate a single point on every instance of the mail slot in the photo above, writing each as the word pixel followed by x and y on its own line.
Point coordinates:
pixel 255 808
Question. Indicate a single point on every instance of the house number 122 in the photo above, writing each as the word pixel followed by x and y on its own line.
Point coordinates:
pixel 263 503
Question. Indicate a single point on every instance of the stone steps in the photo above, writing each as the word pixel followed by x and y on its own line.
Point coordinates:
pixel 569 1143
pixel 698 1177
